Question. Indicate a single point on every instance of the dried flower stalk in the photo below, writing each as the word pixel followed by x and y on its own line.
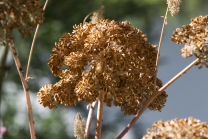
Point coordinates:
pixel 89 119
pixel 26 89
pixel 32 46
pixel 22 15
pixel 159 48
pixel 148 101
pixel 99 115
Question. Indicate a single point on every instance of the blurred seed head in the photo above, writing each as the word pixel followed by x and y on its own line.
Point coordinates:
pixel 178 129
pixel 173 6
pixel 79 126
pixel 22 15
pixel 194 36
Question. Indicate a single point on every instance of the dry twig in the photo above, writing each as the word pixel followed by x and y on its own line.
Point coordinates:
pixel 99 115
pixel 26 89
pixel 32 45
pixel 148 101
pixel 159 48
pixel 89 119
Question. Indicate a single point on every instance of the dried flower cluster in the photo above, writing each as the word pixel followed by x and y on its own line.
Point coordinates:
pixel 173 6
pixel 178 129
pixel 79 126
pixel 105 56
pixel 195 38
pixel 21 15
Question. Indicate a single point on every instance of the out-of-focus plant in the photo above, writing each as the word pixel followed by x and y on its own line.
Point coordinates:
pixel 22 15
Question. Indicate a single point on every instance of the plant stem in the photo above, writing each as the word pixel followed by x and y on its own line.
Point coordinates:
pixel 26 89
pixel 32 45
pixel 99 115
pixel 3 68
pixel 148 101
pixel 159 48
pixel 89 119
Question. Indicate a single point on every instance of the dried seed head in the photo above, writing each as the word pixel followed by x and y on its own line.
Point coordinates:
pixel 110 56
pixel 97 15
pixel 79 126
pixel 22 15
pixel 173 6
pixel 194 36
pixel 45 96
pixel 178 129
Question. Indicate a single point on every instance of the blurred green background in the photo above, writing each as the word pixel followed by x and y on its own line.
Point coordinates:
pixel 60 16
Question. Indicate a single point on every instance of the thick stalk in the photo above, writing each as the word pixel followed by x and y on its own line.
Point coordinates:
pixel 3 68
pixel 99 115
pixel 89 119
pixel 148 101
pixel 26 89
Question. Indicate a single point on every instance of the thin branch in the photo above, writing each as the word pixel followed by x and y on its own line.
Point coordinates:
pixel 3 69
pixel 26 89
pixel 89 119
pixel 99 115
pixel 159 48
pixel 148 101
pixel 33 43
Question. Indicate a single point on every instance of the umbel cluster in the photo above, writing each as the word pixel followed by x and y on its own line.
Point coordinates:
pixel 194 36
pixel 105 56
pixel 22 15
pixel 189 128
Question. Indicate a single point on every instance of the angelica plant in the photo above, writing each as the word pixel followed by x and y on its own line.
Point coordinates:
pixel 107 62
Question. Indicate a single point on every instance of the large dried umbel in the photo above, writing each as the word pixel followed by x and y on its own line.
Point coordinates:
pixel 195 38
pixel 22 15
pixel 178 129
pixel 107 56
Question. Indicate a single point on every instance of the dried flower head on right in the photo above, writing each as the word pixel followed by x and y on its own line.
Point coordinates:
pixel 194 36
